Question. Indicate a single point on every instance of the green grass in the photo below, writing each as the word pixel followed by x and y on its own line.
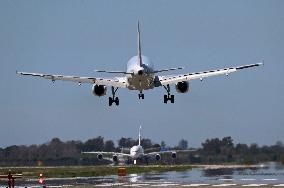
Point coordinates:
pixel 82 171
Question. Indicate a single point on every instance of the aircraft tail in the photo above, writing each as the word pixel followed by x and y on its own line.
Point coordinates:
pixel 139 44
pixel 139 139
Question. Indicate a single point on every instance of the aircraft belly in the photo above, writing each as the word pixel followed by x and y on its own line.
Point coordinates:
pixel 140 83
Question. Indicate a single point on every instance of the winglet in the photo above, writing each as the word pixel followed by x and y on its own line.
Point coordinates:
pixel 139 43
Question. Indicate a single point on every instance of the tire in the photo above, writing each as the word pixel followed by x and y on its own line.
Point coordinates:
pixel 116 101
pixel 172 99
pixel 165 99
pixel 110 101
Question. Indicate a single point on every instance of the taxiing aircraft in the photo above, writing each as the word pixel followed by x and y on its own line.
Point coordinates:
pixel 140 75
pixel 136 153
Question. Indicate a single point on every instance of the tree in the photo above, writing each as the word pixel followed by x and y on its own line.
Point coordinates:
pixel 227 141
pixel 146 143
pixel 163 144
pixel 227 145
pixel 126 142
pixel 95 144
pixel 109 145
pixel 212 146
pixel 70 149
pixel 54 149
pixel 183 144
pixel 241 149
pixel 254 149
pixel 280 144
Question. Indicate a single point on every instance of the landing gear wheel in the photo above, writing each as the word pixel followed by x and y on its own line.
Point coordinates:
pixel 165 99
pixel 172 99
pixel 141 96
pixel 116 101
pixel 110 101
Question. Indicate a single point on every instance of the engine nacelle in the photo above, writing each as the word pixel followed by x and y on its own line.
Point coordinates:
pixel 182 87
pixel 99 90
pixel 158 157
pixel 174 155
pixel 100 156
pixel 115 158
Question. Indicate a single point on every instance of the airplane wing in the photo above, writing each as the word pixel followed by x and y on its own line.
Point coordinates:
pixel 169 152
pixel 165 80
pixel 115 82
pixel 106 153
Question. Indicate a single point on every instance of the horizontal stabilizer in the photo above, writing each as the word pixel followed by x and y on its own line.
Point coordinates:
pixel 113 72
pixel 170 69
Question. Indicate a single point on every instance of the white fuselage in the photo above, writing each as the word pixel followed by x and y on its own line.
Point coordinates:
pixel 143 76
pixel 136 152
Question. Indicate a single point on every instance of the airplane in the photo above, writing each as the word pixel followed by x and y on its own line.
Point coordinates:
pixel 136 153
pixel 140 75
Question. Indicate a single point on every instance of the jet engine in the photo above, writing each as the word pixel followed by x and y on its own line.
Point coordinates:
pixel 158 157
pixel 115 158
pixel 182 87
pixel 99 90
pixel 100 156
pixel 174 155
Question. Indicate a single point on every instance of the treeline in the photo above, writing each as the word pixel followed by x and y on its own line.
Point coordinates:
pixel 57 152
pixel 225 151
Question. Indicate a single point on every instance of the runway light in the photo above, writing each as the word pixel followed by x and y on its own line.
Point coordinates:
pixel 41 179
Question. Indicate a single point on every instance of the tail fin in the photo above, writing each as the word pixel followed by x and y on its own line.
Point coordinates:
pixel 139 44
pixel 139 139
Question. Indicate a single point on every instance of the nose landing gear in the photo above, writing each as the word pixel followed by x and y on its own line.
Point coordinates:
pixel 141 95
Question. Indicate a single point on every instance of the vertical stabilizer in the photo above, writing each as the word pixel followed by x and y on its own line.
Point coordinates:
pixel 139 44
pixel 139 139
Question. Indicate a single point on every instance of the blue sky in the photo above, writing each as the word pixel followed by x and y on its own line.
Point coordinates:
pixel 76 37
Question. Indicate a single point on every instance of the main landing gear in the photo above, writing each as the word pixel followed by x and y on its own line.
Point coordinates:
pixel 168 96
pixel 141 95
pixel 113 99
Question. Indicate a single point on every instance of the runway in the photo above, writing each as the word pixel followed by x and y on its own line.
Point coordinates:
pixel 166 184
pixel 266 175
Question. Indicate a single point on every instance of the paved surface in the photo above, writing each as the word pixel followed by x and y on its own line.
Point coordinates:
pixel 168 184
